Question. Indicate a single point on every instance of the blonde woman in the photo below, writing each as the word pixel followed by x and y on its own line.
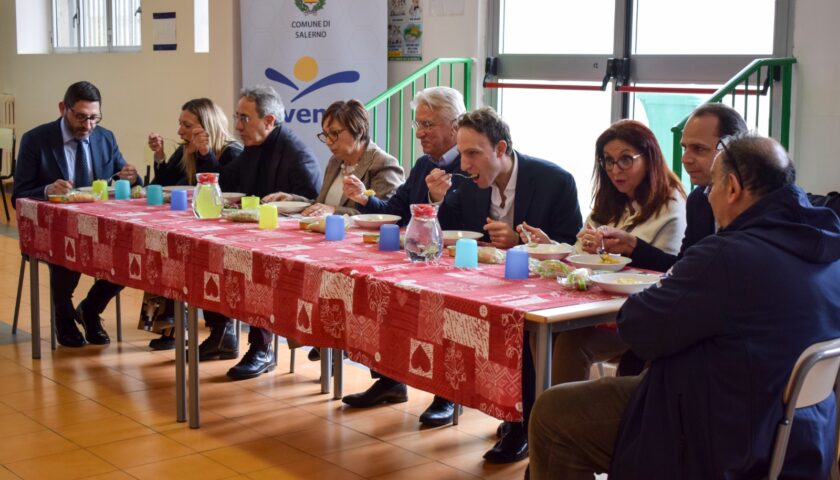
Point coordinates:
pixel 206 144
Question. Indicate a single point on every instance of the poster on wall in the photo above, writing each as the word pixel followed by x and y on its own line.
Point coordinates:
pixel 314 52
pixel 405 30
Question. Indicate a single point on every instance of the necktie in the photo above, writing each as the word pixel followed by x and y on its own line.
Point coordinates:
pixel 82 166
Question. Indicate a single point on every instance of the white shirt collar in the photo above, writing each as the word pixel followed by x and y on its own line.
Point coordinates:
pixel 505 213
pixel 447 158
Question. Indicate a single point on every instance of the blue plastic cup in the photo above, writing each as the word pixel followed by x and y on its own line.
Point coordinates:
pixel 516 264
pixel 154 195
pixel 179 200
pixel 466 253
pixel 335 228
pixel 122 190
pixel 389 237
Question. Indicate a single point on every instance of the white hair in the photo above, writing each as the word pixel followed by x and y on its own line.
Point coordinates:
pixel 445 99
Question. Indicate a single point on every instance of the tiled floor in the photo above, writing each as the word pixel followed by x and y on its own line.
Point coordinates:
pixel 109 413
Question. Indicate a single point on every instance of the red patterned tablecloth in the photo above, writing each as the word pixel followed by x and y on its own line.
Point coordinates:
pixel 455 332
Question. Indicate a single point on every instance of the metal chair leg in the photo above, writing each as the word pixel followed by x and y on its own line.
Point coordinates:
pixel 119 318
pixel 23 260
pixel 276 342
pixel 5 202
pixel 237 327
pixel 456 414
pixel 292 359
pixel 53 339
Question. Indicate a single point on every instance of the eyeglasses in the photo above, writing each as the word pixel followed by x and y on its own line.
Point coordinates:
pixel 722 147
pixel 331 136
pixel 624 162
pixel 82 118
pixel 241 118
pixel 423 125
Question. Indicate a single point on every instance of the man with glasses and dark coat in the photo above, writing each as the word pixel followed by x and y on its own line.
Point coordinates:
pixel 274 159
pixel 55 158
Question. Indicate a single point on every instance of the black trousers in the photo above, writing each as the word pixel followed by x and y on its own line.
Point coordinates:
pixel 64 282
pixel 258 337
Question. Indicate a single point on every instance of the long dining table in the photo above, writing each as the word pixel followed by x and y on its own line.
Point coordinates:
pixel 454 332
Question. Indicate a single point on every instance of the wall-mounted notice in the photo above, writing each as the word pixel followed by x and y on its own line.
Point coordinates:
pixel 405 30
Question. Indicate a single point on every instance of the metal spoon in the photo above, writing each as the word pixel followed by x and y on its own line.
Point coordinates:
pixel 468 177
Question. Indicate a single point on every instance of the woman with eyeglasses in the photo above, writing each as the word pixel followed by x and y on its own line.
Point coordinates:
pixel 633 190
pixel 206 145
pixel 346 132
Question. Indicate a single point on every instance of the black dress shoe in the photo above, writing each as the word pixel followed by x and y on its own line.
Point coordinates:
pixel 380 392
pixel 165 342
pixel 503 429
pixel 94 333
pixel 439 413
pixel 70 337
pixel 221 344
pixel 511 448
pixel 257 360
pixel 314 354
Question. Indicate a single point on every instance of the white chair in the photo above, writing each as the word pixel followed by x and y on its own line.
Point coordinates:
pixel 812 380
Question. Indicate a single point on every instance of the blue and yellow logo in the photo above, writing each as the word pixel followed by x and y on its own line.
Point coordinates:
pixel 306 70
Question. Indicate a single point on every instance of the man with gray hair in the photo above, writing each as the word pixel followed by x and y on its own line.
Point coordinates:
pixel 722 333
pixel 274 159
pixel 435 124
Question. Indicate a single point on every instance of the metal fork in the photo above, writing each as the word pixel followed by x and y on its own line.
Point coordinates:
pixel 468 177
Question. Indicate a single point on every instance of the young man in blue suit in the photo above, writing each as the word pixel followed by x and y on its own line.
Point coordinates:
pixel 507 189
pixel 722 333
pixel 436 113
pixel 54 158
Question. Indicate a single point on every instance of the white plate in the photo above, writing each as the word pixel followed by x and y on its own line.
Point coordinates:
pixel 232 196
pixel 170 188
pixel 595 263
pixel 289 207
pixel 374 220
pixel 624 283
pixel 451 237
pixel 549 251
pixel 90 189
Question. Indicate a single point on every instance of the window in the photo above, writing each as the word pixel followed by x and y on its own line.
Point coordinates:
pixel 96 25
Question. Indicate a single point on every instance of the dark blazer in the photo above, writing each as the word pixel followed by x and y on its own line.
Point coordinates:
pixel 700 223
pixel 282 163
pixel 414 190
pixel 171 172
pixel 546 197
pixel 41 159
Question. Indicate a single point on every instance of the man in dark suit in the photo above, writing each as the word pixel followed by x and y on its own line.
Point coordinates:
pixel 507 189
pixel 55 158
pixel 274 159
pixel 436 112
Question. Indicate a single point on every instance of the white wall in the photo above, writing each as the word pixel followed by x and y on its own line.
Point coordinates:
pixel 817 95
pixel 450 36
pixel 141 91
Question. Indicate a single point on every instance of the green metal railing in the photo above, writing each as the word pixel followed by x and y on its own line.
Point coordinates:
pixel 767 73
pixel 385 104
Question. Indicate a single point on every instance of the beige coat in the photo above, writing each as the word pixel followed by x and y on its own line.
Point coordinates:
pixel 378 170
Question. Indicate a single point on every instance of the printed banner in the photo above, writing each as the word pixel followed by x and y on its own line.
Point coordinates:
pixel 405 30
pixel 314 52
